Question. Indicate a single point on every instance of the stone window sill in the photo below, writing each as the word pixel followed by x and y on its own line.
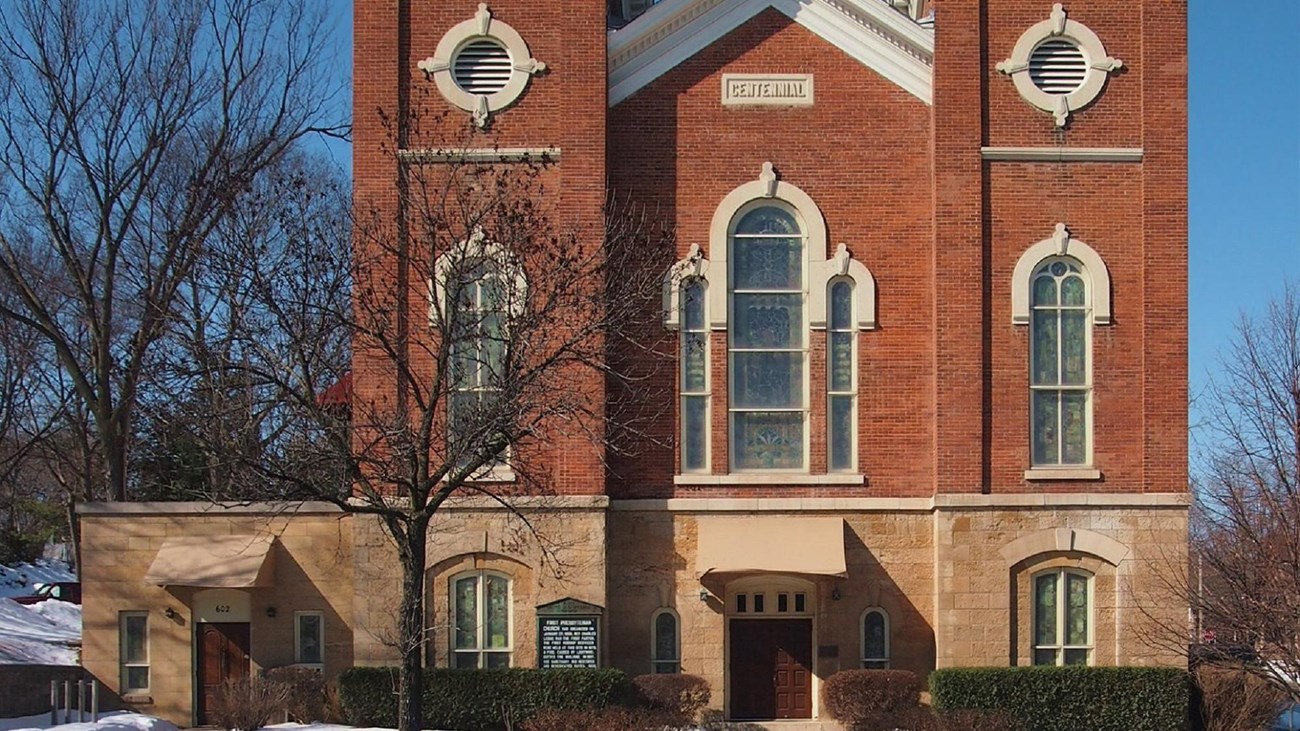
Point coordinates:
pixel 1062 473
pixel 137 699
pixel 778 478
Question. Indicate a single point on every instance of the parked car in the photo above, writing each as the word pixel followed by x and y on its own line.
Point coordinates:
pixel 64 591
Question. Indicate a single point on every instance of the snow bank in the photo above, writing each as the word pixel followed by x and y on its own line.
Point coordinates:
pixel 21 579
pixel 116 721
pixel 46 633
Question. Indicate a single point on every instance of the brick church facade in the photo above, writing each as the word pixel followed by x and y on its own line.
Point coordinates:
pixel 930 407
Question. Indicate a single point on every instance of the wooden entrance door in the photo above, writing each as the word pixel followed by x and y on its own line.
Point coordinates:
pixel 222 655
pixel 771 668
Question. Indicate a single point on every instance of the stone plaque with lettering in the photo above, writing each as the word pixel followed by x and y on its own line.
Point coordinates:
pixel 774 90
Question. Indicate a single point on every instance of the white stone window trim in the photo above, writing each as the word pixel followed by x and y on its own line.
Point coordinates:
pixel 1058 26
pixel 481 610
pixel 866 662
pixel 477 246
pixel 482 26
pixel 297 638
pixel 1062 598
pixel 655 660
pixel 1061 244
pixel 123 664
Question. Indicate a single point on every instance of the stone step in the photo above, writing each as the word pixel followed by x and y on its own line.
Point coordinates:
pixel 788 725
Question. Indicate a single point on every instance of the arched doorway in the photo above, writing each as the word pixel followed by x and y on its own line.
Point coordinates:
pixel 770 631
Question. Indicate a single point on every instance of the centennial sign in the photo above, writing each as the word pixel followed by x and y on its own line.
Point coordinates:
pixel 568 634
pixel 784 90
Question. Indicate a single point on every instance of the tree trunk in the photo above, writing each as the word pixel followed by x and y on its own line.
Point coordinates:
pixel 410 714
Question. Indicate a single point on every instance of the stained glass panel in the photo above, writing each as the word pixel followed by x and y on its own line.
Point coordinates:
pixel 309 631
pixel 693 305
pixel 466 660
pixel 1076 657
pixel 873 634
pixel 1074 427
pixel 841 306
pixel 1046 429
pixel 1072 291
pixel 767 221
pixel 768 441
pixel 695 429
pixel 665 637
pixel 695 367
pixel 1045 348
pixel 841 361
pixel 137 678
pixel 1044 657
pixel 467 613
pixel 1044 291
pixel 498 612
pixel 767 380
pixel 767 321
pixel 134 650
pixel 841 436
pixel 1074 347
pixel 1076 610
pixel 1045 610
pixel 768 263
pixel 497 660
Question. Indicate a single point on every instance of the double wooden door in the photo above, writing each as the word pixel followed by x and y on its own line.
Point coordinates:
pixel 222 655
pixel 771 668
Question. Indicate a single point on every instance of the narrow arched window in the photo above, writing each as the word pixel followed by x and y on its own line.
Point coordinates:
pixel 480 608
pixel 875 639
pixel 767 352
pixel 477 316
pixel 694 378
pixel 666 642
pixel 1060 367
pixel 1062 618
pixel 842 378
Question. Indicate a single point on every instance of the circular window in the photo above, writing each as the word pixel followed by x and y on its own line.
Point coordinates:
pixel 482 67
pixel 1057 66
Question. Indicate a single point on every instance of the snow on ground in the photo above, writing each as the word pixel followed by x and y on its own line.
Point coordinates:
pixel 46 633
pixel 114 721
pixel 21 579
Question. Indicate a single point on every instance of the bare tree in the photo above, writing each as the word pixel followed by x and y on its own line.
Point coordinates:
pixel 1244 579
pixel 483 319
pixel 128 130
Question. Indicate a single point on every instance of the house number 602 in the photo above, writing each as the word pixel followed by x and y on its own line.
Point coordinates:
pixel 223 609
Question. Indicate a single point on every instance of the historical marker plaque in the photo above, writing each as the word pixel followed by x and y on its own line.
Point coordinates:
pixel 568 635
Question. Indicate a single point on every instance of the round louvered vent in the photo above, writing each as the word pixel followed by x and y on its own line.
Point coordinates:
pixel 482 67
pixel 1057 67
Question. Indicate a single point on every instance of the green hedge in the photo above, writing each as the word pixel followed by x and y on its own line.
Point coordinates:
pixel 1052 698
pixel 479 700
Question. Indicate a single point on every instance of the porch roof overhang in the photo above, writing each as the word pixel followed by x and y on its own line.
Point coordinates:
pixel 214 562
pixel 771 545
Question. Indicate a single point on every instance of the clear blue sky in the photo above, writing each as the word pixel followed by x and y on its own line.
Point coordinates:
pixel 1245 160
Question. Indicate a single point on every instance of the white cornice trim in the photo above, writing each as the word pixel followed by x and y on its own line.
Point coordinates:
pixel 674 30
pixel 1062 154
pixel 482 154
pixel 945 501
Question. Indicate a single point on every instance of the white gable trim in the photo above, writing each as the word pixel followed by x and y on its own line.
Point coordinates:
pixel 672 31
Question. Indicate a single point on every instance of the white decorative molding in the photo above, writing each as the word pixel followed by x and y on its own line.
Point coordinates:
pixel 672 31
pixel 842 265
pixel 1037 474
pixel 767 90
pixel 946 502
pixel 743 478
pixel 478 247
pixel 690 266
pixel 482 154
pixel 1053 540
pixel 1061 244
pixel 1062 154
pixel 481 27
pixel 1099 65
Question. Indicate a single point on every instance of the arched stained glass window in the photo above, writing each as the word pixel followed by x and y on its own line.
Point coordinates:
pixel 842 377
pixel 1060 368
pixel 875 639
pixel 666 643
pixel 767 351
pixel 1062 618
pixel 481 621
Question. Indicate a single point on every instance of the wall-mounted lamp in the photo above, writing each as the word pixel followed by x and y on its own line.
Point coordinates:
pixel 169 613
pixel 704 595
pixel 835 594
pixel 270 612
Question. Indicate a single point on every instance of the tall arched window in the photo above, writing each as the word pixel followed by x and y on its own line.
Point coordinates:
pixel 767 352
pixel 665 644
pixel 1060 365
pixel 476 325
pixel 480 608
pixel 694 377
pixel 875 639
pixel 841 377
pixel 1062 618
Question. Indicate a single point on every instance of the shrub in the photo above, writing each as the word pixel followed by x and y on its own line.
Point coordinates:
pixel 680 694
pixel 480 700
pixel 867 699
pixel 612 718
pixel 304 690
pixel 247 703
pixel 1051 698
pixel 1232 699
